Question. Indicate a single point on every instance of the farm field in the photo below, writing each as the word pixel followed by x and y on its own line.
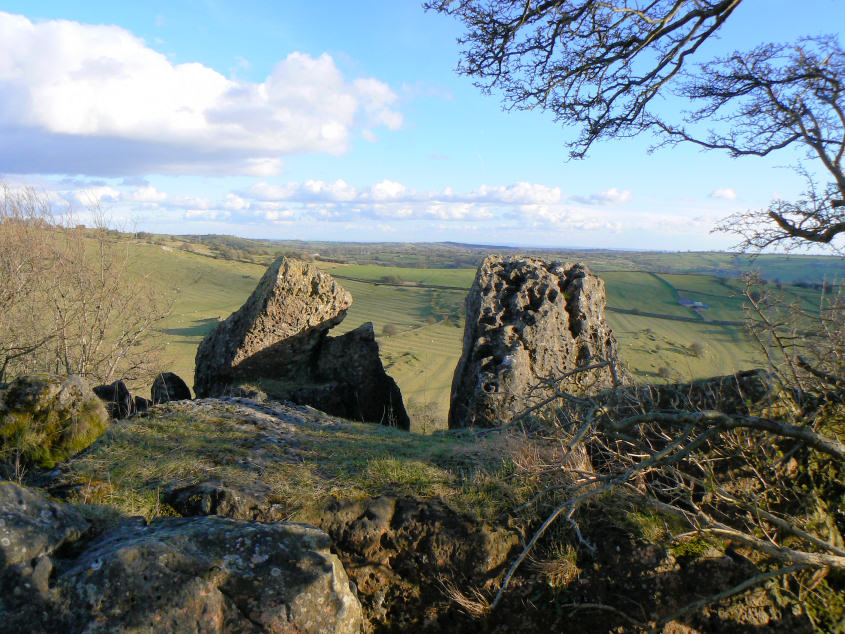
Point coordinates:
pixel 425 325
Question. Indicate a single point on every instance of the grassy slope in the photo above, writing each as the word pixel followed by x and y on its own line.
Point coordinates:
pixel 205 290
pixel 422 361
pixel 177 444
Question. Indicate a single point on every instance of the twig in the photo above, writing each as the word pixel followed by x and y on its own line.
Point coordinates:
pixel 748 583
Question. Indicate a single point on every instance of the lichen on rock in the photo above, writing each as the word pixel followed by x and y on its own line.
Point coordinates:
pixel 529 324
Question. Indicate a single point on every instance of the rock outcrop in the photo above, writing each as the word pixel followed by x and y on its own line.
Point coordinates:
pixel 348 379
pixel 169 387
pixel 208 574
pixel 278 338
pixel 118 399
pixel 528 322
pixel 46 419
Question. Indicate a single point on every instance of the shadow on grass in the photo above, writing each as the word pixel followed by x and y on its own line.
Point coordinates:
pixel 201 328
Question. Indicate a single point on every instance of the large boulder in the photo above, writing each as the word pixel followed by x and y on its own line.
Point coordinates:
pixel 118 399
pixel 169 387
pixel 529 324
pixel 206 574
pixel 46 419
pixel 274 334
pixel 279 340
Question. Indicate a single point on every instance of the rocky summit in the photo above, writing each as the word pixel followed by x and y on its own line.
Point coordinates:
pixel 530 325
pixel 278 339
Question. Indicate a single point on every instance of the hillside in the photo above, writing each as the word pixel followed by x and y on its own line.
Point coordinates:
pixel 425 325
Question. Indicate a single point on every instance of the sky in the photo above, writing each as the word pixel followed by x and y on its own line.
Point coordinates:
pixel 343 121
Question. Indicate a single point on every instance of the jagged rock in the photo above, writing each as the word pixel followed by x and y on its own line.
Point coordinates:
pixel 169 387
pixel 275 333
pixel 117 398
pixel 208 574
pixel 528 321
pixel 279 336
pixel 31 526
pixel 350 381
pixel 400 549
pixel 46 419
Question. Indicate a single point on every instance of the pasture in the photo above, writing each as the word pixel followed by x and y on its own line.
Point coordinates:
pixel 425 325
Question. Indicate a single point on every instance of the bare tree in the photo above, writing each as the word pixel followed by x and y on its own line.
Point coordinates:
pixel 598 65
pixel 73 303
pixel 24 262
pixel 765 100
pixel 739 460
pixel 767 478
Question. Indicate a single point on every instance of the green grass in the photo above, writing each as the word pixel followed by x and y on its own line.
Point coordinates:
pixel 439 277
pixel 205 290
pixel 646 345
pixel 131 465
pixel 644 292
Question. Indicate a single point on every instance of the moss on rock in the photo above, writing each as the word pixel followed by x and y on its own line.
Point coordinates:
pixel 46 419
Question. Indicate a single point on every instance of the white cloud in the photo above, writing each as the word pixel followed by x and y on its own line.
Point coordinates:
pixel 206 214
pixel 97 99
pixel 726 193
pixel 145 194
pixel 612 196
pixel 520 193
pixel 388 190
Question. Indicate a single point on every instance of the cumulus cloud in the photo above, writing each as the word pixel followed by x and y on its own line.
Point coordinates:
pixel 80 98
pixel 726 193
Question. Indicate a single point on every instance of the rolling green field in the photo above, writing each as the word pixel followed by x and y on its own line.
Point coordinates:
pixel 424 333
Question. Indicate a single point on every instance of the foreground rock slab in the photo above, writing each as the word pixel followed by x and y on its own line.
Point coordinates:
pixel 278 338
pixel 206 574
pixel 529 322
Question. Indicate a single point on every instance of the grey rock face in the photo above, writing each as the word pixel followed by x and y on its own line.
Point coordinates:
pixel 402 548
pixel 349 380
pixel 31 526
pixel 275 333
pixel 206 574
pixel 529 321
pixel 280 336
pixel 169 387
pixel 216 498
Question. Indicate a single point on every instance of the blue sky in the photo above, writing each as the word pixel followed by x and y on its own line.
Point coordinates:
pixel 342 121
